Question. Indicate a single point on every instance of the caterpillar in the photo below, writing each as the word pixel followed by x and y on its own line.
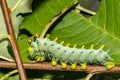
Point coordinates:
pixel 42 48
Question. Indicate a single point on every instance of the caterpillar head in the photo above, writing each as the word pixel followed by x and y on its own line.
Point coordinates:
pixel 109 62
pixel 106 60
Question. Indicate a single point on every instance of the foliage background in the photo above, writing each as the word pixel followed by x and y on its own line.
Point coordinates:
pixel 72 27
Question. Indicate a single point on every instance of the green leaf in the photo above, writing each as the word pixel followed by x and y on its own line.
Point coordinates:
pixel 4 54
pixel 23 46
pixel 43 12
pixel 17 7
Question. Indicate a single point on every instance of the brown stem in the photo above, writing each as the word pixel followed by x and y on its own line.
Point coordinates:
pixel 48 66
pixel 13 42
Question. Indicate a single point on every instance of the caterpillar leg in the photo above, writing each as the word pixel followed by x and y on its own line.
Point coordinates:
pixel 83 66
pixel 42 59
pixel 64 65
pixel 30 51
pixel 37 58
pixel 54 62
pixel 73 66
pixel 110 65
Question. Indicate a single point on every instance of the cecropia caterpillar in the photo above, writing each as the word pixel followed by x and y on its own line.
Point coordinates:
pixel 43 48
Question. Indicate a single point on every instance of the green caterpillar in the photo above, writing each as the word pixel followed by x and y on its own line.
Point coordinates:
pixel 43 48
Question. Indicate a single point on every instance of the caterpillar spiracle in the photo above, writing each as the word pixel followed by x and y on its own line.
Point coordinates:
pixel 43 48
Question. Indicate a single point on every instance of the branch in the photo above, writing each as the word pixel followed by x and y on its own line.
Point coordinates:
pixel 78 7
pixel 48 66
pixel 13 42
pixel 8 74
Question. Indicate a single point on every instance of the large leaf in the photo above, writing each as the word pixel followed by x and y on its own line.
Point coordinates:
pixel 43 12
pixel 100 29
pixel 18 7
pixel 4 54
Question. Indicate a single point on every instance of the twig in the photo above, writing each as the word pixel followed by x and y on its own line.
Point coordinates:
pixel 90 75
pixel 5 36
pixel 78 7
pixel 48 66
pixel 13 42
pixel 8 74
pixel 17 4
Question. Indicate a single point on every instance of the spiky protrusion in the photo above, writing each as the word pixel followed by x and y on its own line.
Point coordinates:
pixel 83 46
pixel 92 46
pixel 102 46
pixel 55 39
pixel 68 44
pixel 37 35
pixel 47 36
pixel 74 45
pixel 29 41
pixel 62 42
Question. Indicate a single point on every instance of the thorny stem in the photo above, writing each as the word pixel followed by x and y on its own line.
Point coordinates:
pixel 13 42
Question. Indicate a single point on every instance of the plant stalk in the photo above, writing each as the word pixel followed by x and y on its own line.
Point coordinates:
pixel 48 66
pixel 12 40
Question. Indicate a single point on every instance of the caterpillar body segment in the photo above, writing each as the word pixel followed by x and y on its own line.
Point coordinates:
pixel 43 48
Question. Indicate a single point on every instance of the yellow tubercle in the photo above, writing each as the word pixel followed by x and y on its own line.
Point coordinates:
pixel 30 49
pixel 64 65
pixel 42 59
pixel 110 65
pixel 55 39
pixel 83 46
pixel 37 35
pixel 92 46
pixel 47 36
pixel 74 45
pixel 54 63
pixel 83 66
pixel 68 44
pixel 102 46
pixel 62 42
pixel 29 41
pixel 73 66
pixel 38 59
